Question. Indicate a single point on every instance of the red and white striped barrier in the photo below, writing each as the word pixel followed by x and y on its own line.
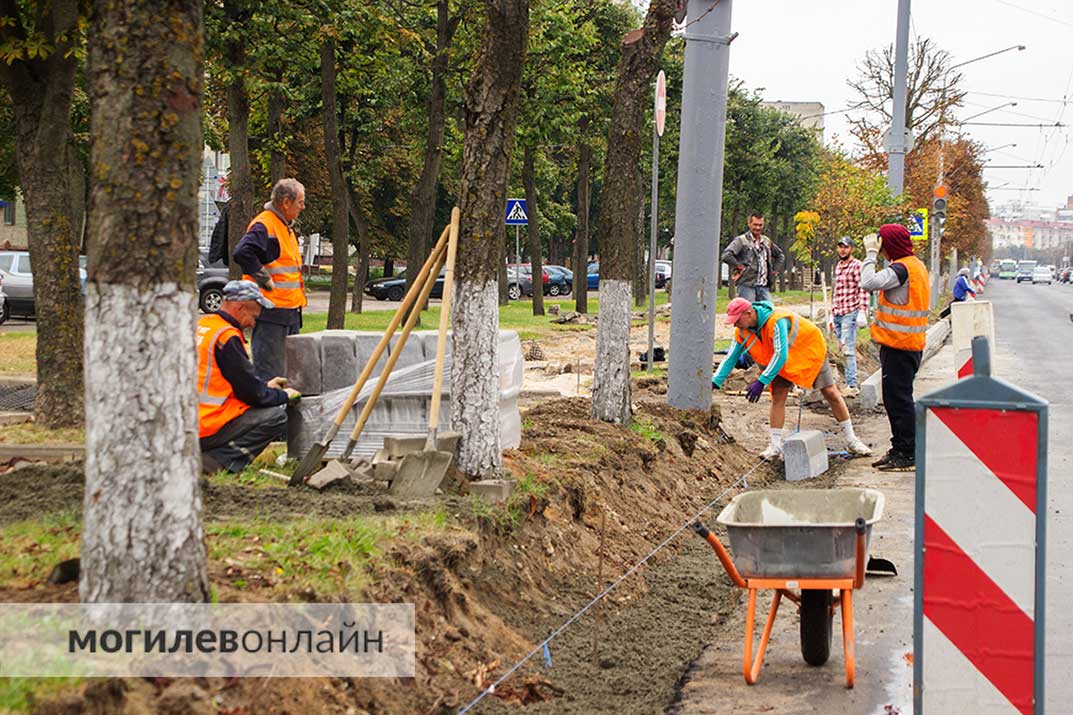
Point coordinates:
pixel 968 320
pixel 980 537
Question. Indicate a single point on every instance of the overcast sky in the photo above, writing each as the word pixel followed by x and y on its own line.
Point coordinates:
pixel 805 51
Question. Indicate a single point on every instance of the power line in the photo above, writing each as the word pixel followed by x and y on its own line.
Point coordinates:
pixel 1024 99
pixel 1034 12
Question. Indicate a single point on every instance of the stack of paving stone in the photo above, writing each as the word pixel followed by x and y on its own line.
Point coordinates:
pixel 324 366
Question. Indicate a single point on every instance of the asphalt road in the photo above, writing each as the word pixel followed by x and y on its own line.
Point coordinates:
pixel 1034 351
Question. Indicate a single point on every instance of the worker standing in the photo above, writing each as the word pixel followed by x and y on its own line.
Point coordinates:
pixel 238 413
pixel 847 302
pixel 792 351
pixel 900 329
pixel 269 255
pixel 755 260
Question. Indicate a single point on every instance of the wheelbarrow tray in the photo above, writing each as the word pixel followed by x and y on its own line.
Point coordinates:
pixel 799 533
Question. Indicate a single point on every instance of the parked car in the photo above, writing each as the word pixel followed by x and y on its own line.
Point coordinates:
pixel 592 278
pixel 1025 269
pixel 19 282
pixel 394 288
pixel 519 283
pixel 388 287
pixel 3 301
pixel 1040 274
pixel 567 284
pixel 663 273
pixel 211 280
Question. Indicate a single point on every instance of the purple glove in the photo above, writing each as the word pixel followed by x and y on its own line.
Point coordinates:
pixel 755 390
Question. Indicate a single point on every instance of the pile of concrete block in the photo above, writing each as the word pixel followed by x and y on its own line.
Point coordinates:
pixel 324 366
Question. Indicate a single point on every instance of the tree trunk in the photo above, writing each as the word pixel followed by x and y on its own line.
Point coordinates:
pixel 340 193
pixel 581 238
pixel 40 90
pixel 142 539
pixel 278 157
pixel 491 110
pixel 238 137
pixel 389 267
pixel 532 231
pixel 361 226
pixel 619 208
pixel 423 200
pixel 640 265
pixel 502 278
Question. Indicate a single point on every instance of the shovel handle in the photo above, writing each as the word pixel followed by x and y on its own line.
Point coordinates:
pixel 407 301
pixel 393 358
pixel 445 318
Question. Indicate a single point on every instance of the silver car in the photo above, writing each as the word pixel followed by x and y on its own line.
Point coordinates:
pixel 17 274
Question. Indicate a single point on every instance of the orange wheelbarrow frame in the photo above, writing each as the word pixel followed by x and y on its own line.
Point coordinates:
pixel 784 587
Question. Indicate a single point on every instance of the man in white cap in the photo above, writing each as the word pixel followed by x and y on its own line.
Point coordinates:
pixel 239 414
pixel 792 351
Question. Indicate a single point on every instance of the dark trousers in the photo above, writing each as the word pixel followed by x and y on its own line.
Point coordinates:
pixel 269 358
pixel 899 369
pixel 239 441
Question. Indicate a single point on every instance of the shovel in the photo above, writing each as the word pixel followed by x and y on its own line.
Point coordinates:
pixel 313 459
pixel 420 473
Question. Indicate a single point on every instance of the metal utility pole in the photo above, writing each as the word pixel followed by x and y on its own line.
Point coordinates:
pixel 659 116
pixel 896 139
pixel 695 271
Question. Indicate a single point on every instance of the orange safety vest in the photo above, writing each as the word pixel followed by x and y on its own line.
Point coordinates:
pixel 216 401
pixel 286 271
pixel 804 355
pixel 905 327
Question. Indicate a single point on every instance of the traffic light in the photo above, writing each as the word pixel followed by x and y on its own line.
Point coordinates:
pixel 938 205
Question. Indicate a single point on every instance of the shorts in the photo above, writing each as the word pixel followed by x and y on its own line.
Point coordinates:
pixel 826 378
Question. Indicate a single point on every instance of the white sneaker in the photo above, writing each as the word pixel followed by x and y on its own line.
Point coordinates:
pixel 856 446
pixel 851 392
pixel 772 452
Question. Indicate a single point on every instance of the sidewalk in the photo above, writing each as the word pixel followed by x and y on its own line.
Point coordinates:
pixel 883 614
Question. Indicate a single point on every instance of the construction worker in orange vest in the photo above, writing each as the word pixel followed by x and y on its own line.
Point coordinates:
pixel 900 329
pixel 269 255
pixel 238 413
pixel 792 351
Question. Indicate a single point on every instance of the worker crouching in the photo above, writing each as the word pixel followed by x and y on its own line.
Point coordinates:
pixel 238 413
pixel 792 352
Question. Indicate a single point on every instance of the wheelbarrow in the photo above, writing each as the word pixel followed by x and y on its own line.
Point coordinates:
pixel 804 544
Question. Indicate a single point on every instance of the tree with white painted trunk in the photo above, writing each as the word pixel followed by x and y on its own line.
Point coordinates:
pixel 142 538
pixel 491 109
pixel 620 204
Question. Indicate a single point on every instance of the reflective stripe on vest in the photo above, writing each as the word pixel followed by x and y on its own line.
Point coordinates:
pixel 217 403
pixel 286 271
pixel 905 327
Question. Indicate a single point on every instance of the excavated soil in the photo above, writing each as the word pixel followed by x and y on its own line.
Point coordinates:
pixel 491 587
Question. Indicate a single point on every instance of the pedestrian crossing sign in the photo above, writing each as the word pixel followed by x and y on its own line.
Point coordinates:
pixel 516 214
pixel 918 228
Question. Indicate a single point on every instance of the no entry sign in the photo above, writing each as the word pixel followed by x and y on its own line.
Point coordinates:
pixel 661 102
pixel 981 508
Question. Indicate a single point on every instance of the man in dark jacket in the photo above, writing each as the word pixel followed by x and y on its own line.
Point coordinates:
pixel 238 413
pixel 754 259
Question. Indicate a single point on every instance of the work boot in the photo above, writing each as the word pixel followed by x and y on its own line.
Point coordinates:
pixel 884 459
pixel 856 446
pixel 899 463
pixel 772 452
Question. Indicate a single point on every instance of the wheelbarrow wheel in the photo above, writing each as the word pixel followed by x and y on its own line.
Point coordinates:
pixel 816 626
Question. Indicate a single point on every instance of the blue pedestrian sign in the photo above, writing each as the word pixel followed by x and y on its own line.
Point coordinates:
pixel 516 213
pixel 918 228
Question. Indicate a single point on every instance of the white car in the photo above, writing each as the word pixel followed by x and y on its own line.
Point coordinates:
pixel 1041 274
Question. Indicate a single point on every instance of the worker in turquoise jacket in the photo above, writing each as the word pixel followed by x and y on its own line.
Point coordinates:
pixel 792 351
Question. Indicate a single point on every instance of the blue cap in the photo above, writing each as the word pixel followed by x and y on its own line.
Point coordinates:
pixel 246 290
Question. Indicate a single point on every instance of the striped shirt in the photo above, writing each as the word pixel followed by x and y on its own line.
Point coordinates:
pixel 848 294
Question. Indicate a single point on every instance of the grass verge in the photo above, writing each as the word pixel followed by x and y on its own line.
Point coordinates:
pixel 19 351
pixel 30 433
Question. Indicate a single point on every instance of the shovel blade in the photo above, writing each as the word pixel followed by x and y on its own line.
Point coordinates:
pixel 420 473
pixel 309 464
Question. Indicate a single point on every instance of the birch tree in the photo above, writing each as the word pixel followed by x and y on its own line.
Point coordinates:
pixel 142 539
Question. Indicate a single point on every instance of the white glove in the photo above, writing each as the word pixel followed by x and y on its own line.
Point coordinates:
pixel 862 319
pixel 871 243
